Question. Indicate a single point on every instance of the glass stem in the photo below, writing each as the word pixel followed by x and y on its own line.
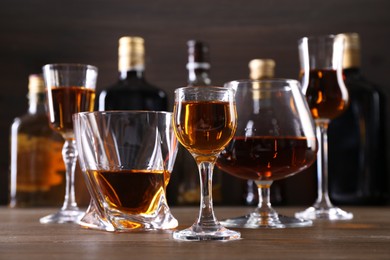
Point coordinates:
pixel 69 154
pixel 323 200
pixel 264 207
pixel 206 219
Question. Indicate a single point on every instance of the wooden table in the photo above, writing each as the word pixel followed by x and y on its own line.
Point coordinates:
pixel 367 236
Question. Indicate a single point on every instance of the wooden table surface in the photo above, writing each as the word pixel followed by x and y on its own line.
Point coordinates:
pixel 367 236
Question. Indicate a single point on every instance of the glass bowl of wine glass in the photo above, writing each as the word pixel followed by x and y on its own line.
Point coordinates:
pixel 275 139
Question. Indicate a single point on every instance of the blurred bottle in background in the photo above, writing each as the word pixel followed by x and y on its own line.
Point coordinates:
pixel 357 142
pixel 185 184
pixel 36 169
pixel 132 91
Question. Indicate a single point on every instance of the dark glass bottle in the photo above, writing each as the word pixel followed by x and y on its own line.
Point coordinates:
pixel 185 178
pixel 36 169
pixel 132 91
pixel 357 143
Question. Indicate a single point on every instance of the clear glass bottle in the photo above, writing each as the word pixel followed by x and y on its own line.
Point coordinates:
pixel 36 167
pixel 357 139
pixel 185 175
pixel 132 91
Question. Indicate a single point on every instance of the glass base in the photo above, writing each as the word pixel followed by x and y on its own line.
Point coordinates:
pixel 129 223
pixel 255 220
pixel 93 219
pixel 63 216
pixel 331 213
pixel 197 233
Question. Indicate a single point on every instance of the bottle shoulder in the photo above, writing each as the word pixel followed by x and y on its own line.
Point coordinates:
pixel 33 124
pixel 132 86
pixel 29 118
pixel 355 81
pixel 133 94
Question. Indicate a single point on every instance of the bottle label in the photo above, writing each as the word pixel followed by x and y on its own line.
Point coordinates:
pixel 39 165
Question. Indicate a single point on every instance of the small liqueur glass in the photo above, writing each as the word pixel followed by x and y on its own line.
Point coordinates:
pixel 204 120
pixel 70 89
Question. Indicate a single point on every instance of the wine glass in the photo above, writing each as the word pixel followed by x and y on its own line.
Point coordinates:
pixel 70 88
pixel 327 96
pixel 204 121
pixel 275 139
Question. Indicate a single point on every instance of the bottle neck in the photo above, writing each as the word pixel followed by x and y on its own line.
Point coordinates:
pixel 36 103
pixel 131 62
pixel 198 74
pixel 261 69
pixel 131 74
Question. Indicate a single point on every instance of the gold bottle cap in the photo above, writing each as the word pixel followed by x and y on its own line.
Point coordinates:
pixel 261 68
pixel 36 84
pixel 351 57
pixel 131 53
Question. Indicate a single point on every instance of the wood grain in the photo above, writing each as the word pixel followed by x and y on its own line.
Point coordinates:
pixel 367 236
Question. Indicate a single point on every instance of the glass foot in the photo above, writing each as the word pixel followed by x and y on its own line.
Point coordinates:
pixel 197 233
pixel 63 216
pixel 264 221
pixel 332 213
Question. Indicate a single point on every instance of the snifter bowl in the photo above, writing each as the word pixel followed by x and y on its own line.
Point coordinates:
pixel 275 139
pixel 126 158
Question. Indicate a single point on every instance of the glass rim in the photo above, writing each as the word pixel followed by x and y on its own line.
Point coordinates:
pixel 273 80
pixel 118 112
pixel 320 37
pixel 70 65
pixel 195 88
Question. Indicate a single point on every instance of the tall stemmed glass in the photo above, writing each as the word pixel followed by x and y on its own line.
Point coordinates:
pixel 327 96
pixel 70 88
pixel 275 139
pixel 204 121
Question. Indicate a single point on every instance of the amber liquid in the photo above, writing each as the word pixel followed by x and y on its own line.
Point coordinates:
pixel 39 168
pixel 204 127
pixel 324 95
pixel 63 102
pixel 130 191
pixel 267 158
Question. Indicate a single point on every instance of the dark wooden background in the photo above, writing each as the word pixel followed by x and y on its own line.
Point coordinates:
pixel 36 32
